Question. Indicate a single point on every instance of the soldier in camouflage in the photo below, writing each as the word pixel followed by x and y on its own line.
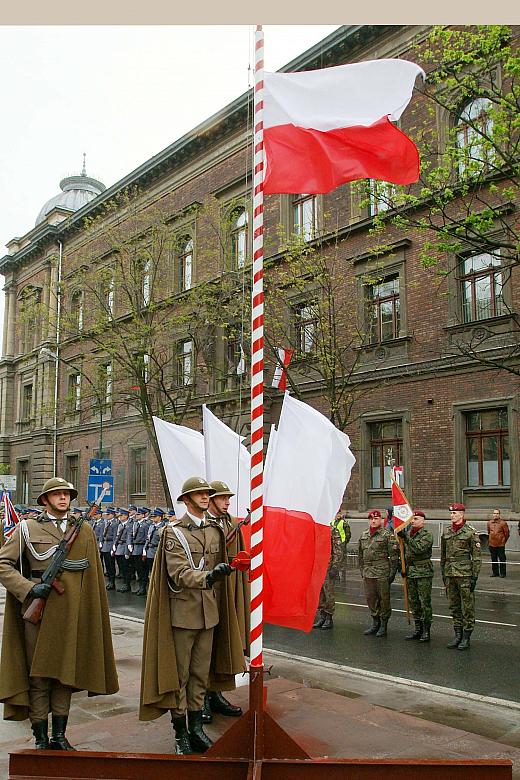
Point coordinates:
pixel 418 544
pixel 340 537
pixel 460 567
pixel 378 563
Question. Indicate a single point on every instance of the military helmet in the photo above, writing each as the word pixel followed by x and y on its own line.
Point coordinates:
pixel 220 488
pixel 192 484
pixel 57 483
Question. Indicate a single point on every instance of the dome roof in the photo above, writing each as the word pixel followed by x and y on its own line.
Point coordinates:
pixel 76 192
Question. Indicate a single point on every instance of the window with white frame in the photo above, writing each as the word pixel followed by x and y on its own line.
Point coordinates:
pixel 306 327
pixel 305 216
pixel 384 309
pixel 386 451
pixel 382 196
pixel 239 238
pixel 186 264
pixel 185 363
pixel 474 132
pixel 77 310
pixel 74 392
pixel 482 286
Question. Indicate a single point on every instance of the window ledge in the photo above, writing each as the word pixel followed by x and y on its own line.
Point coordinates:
pixel 460 327
pixel 487 489
pixel 388 344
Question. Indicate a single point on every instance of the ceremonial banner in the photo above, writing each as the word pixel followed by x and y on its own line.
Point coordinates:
pixel 227 460
pixel 403 513
pixel 280 372
pixel 305 479
pixel 182 453
pixel 325 127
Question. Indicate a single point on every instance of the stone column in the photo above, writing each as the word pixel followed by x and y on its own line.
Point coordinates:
pixel 11 322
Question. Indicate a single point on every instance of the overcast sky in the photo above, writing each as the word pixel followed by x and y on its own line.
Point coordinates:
pixel 120 94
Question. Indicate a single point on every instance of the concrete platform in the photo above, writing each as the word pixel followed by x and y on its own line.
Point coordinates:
pixel 325 723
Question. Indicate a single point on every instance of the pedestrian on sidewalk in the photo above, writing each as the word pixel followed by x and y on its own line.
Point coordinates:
pixel 498 534
pixel 340 537
pixel 70 649
pixel 191 631
pixel 460 567
pixel 378 563
pixel 418 545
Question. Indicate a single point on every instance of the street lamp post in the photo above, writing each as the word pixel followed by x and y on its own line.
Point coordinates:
pixel 46 352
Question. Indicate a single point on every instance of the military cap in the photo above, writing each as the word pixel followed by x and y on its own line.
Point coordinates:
pixel 57 483
pixel 171 512
pixel 374 513
pixel 419 513
pixel 132 507
pixel 124 511
pixel 457 508
pixel 158 512
pixel 220 488
pixel 77 510
pixel 110 510
pixel 193 484
pixel 142 510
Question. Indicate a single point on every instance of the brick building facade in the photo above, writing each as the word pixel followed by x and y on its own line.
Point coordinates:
pixel 421 401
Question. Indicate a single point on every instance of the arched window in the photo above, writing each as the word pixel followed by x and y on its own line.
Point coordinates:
pixel 473 132
pixel 186 264
pixel 239 238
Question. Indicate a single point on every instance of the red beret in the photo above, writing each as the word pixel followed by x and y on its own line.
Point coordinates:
pixel 374 513
pixel 457 508
pixel 419 513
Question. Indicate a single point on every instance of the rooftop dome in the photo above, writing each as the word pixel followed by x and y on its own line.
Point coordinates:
pixel 76 192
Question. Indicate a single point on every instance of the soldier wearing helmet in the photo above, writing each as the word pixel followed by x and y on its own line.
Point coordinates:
pixel 57 652
pixel 191 633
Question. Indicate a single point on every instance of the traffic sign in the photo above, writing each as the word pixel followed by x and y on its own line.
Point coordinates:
pixel 100 467
pixel 95 486
pixel 8 482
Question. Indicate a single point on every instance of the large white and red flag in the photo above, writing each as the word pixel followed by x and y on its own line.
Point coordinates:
pixel 403 512
pixel 280 371
pixel 306 474
pixel 182 454
pixel 11 518
pixel 227 459
pixel 325 127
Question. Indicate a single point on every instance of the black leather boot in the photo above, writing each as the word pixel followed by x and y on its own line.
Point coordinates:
pixel 218 703
pixel 464 643
pixel 182 738
pixel 207 717
pixel 40 729
pixel 418 631
pixel 124 588
pixel 382 628
pixel 327 623
pixel 199 740
pixel 455 642
pixel 111 584
pixel 425 636
pixel 374 628
pixel 319 619
pixel 58 739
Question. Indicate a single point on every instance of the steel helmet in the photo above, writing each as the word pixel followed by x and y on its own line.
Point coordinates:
pixel 57 483
pixel 220 488
pixel 192 484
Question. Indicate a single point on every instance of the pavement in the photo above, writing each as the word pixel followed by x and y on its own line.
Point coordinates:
pixel 330 709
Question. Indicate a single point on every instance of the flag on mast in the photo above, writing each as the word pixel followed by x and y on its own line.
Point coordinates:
pixel 325 127
pixel 403 512
pixel 280 371
pixel 11 519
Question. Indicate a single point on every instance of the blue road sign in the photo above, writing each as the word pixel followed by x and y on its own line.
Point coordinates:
pixel 95 486
pixel 100 467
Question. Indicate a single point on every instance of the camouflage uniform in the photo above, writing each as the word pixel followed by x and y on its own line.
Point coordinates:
pixel 378 563
pixel 327 601
pixel 419 572
pixel 460 563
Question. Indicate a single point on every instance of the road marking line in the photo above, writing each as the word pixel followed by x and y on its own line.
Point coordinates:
pixel 447 617
pixel 513 705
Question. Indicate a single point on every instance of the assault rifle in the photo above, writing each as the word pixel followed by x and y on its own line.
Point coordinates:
pixel 34 612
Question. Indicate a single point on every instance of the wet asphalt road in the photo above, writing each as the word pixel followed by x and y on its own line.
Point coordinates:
pixel 489 668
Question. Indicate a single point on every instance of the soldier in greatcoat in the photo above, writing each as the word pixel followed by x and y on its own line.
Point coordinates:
pixel 218 511
pixel 378 564
pixel 191 631
pixel 71 648
pixel 460 566
pixel 418 545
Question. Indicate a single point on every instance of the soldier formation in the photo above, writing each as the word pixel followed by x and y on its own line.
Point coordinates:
pixel 197 613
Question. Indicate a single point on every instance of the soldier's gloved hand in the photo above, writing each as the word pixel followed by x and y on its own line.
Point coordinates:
pixel 333 573
pixel 40 591
pixel 220 570
pixel 473 584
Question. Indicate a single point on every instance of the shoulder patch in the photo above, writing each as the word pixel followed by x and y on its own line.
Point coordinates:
pixel 169 544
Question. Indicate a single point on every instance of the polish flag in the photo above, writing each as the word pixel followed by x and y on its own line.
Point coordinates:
pixel 308 466
pixel 280 373
pixel 402 510
pixel 325 127
pixel 182 454
pixel 228 460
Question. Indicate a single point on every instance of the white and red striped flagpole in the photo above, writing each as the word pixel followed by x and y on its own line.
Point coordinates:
pixel 257 363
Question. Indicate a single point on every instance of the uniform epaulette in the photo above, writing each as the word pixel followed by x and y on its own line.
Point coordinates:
pixel 473 529
pixel 173 523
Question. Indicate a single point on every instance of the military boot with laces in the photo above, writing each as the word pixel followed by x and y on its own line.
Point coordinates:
pixel 199 740
pixel 374 628
pixel 455 642
pixel 182 738
pixel 416 634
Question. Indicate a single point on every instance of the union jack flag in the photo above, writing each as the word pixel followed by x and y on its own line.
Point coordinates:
pixel 11 519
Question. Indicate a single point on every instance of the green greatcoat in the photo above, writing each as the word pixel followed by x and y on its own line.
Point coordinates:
pixel 460 561
pixel 419 571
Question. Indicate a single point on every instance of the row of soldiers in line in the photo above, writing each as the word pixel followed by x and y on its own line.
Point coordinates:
pixel 380 560
pixel 196 631
pixel 128 539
